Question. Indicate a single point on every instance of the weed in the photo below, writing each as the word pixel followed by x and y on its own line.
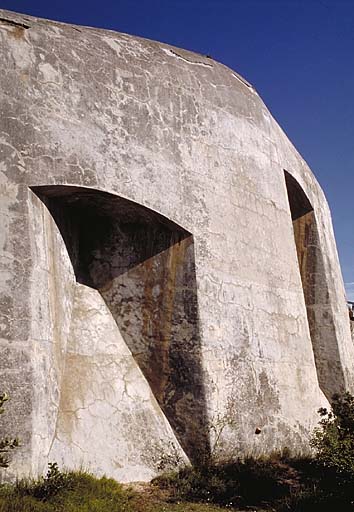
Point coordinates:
pixel 6 444
pixel 45 487
pixel 217 425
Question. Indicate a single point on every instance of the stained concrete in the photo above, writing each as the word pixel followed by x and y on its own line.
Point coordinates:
pixel 169 280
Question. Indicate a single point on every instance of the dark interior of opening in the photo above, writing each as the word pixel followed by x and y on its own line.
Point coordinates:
pixel 143 265
pixel 315 288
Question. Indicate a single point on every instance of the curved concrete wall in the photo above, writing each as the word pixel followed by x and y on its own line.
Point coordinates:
pixel 188 142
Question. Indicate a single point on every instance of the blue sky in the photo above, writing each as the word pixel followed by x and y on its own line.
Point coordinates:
pixel 298 54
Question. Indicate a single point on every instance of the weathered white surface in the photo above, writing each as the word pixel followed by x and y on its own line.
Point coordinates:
pixel 51 301
pixel 187 138
pixel 106 402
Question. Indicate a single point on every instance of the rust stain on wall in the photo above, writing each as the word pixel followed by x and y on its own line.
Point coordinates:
pixel 306 253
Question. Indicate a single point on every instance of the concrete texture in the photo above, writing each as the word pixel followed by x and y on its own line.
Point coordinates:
pixel 169 278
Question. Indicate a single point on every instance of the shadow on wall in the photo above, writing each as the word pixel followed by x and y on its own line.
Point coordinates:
pixel 316 290
pixel 143 265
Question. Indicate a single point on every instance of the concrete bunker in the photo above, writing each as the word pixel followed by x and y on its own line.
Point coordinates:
pixel 71 325
pixel 143 266
pixel 315 288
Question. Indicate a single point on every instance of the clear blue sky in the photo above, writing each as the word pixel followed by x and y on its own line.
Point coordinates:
pixel 298 54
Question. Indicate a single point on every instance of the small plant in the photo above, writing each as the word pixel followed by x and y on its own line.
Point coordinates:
pixel 46 487
pixel 53 482
pixel 6 444
pixel 216 428
pixel 334 439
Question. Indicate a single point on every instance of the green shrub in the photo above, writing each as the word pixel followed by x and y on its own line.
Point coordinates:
pixel 6 444
pixel 334 439
pixel 46 487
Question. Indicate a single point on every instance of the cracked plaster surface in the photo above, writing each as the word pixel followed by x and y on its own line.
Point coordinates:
pixel 105 400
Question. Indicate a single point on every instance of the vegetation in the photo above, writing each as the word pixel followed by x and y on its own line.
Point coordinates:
pixel 334 439
pixel 277 483
pixel 7 443
pixel 46 488
pixel 81 492
pixel 265 483
pixel 65 492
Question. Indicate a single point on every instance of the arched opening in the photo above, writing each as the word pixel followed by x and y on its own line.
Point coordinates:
pixel 315 288
pixel 143 266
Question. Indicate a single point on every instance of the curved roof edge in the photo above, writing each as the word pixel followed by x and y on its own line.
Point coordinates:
pixel 192 57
